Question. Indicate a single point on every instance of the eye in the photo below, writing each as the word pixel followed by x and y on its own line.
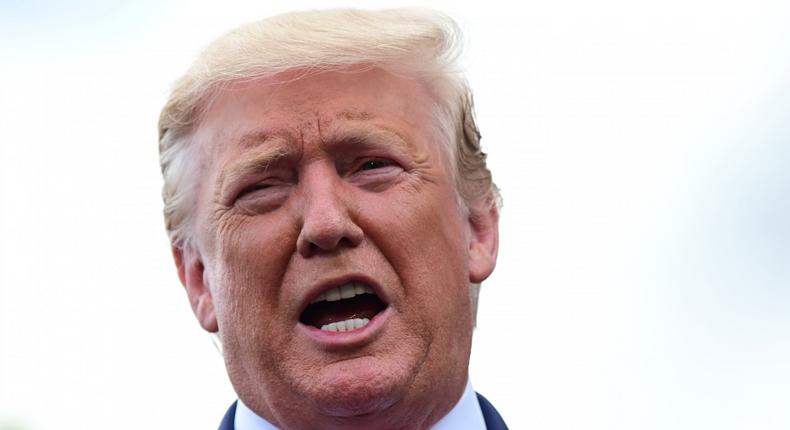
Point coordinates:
pixel 262 197
pixel 253 188
pixel 266 190
pixel 374 174
pixel 375 164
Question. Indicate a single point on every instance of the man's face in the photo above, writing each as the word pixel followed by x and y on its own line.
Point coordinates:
pixel 334 183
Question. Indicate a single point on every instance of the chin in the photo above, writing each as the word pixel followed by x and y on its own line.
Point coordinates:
pixel 359 386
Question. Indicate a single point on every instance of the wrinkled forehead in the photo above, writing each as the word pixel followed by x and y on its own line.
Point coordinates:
pixel 298 105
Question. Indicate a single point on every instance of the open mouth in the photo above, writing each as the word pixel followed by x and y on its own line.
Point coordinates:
pixel 348 307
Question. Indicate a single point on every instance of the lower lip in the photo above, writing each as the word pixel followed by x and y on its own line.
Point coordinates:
pixel 348 338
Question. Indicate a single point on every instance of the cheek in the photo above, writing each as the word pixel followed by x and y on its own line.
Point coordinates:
pixel 425 242
pixel 252 257
pixel 253 254
pixel 423 237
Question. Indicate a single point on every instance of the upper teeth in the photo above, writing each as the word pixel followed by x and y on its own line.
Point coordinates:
pixel 345 291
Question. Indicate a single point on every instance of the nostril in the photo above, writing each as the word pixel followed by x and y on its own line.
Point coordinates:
pixel 325 238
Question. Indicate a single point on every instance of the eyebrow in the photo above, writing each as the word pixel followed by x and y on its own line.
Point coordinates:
pixel 356 126
pixel 365 135
pixel 258 137
pixel 262 148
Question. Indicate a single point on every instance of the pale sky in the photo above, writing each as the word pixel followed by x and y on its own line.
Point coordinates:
pixel 642 149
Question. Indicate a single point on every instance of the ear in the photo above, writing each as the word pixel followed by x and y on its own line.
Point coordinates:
pixel 483 240
pixel 191 271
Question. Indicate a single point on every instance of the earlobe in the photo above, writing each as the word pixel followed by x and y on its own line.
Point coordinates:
pixel 483 241
pixel 191 273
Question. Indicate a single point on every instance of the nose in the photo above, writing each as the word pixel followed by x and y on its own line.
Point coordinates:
pixel 327 224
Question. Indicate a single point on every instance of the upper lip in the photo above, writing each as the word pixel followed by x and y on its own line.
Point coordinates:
pixel 327 284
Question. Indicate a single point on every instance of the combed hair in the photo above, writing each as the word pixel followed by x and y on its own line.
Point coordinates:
pixel 418 43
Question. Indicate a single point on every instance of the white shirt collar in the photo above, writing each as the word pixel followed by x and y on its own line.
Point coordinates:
pixel 246 419
pixel 466 414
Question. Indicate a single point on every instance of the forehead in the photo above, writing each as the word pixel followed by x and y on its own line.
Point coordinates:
pixel 296 106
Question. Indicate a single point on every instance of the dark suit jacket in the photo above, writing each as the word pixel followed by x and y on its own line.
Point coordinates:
pixel 492 418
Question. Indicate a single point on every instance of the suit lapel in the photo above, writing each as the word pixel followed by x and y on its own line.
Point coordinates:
pixel 227 420
pixel 492 418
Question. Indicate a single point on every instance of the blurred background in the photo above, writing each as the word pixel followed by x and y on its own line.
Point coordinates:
pixel 642 149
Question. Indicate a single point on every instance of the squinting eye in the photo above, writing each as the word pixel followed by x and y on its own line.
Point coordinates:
pixel 254 191
pixel 375 164
pixel 253 188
